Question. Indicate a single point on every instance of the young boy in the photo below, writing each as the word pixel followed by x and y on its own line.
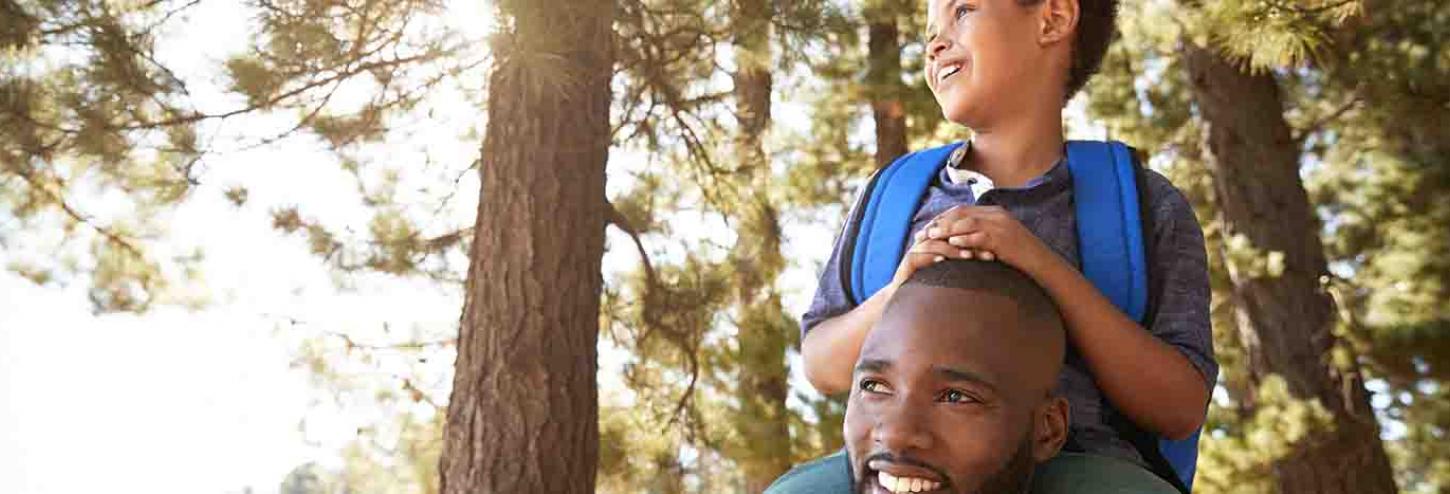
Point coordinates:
pixel 1005 68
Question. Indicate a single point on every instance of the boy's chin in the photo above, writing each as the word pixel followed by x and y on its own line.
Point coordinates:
pixel 958 109
pixel 960 114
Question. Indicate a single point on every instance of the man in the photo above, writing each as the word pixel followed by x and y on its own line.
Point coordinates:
pixel 955 391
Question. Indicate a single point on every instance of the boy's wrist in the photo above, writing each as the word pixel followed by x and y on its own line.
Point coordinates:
pixel 1041 263
pixel 886 292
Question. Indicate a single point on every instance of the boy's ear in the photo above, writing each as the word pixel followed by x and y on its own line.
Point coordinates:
pixel 1059 21
pixel 1050 432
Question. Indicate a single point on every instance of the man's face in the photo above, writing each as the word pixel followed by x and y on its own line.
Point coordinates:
pixel 984 59
pixel 950 396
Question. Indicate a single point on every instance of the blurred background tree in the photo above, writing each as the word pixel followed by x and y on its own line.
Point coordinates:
pixel 1309 134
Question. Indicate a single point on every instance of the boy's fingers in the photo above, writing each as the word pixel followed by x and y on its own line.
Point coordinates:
pixel 975 239
pixel 944 229
pixel 918 260
pixel 949 216
pixel 936 247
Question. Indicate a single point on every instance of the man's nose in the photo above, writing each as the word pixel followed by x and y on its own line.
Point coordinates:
pixel 902 428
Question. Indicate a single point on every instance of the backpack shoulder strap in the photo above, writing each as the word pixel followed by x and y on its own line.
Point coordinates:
pixel 1112 243
pixel 884 220
pixel 1109 229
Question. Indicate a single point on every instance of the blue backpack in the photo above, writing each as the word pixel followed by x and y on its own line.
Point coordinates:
pixel 1110 225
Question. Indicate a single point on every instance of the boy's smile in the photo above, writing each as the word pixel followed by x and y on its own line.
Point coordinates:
pixel 944 69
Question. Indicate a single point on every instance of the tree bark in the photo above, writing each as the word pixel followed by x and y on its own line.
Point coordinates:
pixel 762 420
pixel 883 75
pixel 523 416
pixel 1285 321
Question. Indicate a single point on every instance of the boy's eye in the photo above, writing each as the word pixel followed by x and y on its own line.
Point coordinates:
pixel 961 10
pixel 955 396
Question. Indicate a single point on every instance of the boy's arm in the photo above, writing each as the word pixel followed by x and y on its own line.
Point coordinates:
pixel 830 349
pixel 834 329
pixel 1150 380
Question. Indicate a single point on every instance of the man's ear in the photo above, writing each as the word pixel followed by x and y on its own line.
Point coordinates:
pixel 1051 429
pixel 1058 21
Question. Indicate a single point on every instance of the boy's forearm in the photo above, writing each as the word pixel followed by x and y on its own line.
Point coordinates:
pixel 829 350
pixel 1144 377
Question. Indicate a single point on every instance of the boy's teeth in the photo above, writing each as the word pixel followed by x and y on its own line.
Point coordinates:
pixel 947 72
pixel 905 484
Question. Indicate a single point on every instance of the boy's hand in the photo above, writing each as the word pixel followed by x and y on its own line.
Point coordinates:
pixel 923 253
pixel 987 233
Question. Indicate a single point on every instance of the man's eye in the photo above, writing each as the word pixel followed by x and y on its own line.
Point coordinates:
pixel 961 11
pixel 954 396
pixel 873 386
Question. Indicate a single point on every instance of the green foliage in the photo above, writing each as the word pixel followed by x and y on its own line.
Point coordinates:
pixel 87 109
pixel 1269 34
pixel 1362 84
pixel 1240 452
pixel 84 103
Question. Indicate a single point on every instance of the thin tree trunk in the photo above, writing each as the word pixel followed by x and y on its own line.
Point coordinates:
pixel 883 75
pixel 762 420
pixel 523 416
pixel 1285 321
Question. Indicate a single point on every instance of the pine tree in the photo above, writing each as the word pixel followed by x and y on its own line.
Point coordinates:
pixel 523 413
pixel 1307 52
pixel 1285 317
pixel 762 421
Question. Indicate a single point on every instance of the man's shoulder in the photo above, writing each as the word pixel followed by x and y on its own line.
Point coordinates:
pixel 828 475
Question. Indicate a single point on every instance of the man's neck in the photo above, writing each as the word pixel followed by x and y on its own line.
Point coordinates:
pixel 1014 154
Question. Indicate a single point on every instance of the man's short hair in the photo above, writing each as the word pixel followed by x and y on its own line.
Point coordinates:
pixel 1033 303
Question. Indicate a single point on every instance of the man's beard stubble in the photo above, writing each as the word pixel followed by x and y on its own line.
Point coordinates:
pixel 1013 478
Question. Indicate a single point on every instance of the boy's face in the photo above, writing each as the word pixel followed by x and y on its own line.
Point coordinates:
pixel 987 59
pixel 952 394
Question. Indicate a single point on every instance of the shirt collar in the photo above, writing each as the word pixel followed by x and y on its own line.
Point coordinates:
pixel 957 173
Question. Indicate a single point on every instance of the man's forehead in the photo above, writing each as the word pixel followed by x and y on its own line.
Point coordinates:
pixel 957 370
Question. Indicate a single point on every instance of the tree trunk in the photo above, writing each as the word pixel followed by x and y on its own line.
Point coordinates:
pixel 883 76
pixel 762 421
pixel 523 416
pixel 1285 321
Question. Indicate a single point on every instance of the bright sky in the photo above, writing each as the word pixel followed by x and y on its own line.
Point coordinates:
pixel 206 401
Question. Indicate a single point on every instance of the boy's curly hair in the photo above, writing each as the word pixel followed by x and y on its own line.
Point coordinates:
pixel 1096 26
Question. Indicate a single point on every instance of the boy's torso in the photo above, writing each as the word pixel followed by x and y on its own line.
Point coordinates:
pixel 1045 207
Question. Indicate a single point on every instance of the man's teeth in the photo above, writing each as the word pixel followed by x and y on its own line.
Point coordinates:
pixel 905 484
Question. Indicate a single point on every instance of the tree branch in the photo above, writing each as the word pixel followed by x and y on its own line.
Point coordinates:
pixel 612 216
pixel 56 197
pixel 1320 122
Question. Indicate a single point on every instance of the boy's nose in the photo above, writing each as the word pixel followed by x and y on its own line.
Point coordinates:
pixel 935 47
